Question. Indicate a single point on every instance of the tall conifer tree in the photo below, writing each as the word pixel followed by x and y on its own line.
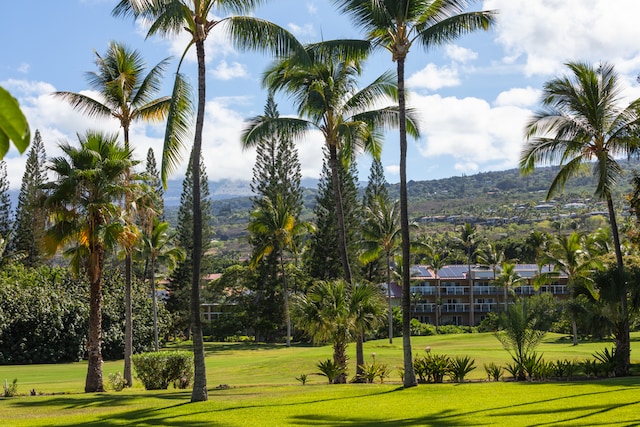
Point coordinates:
pixel 178 302
pixel 30 219
pixel 5 203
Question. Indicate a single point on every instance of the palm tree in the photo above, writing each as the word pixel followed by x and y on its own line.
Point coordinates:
pixel 490 255
pixel 381 235
pixel 338 312
pixel 128 95
pixel 583 122
pixel 170 17
pixel 367 307
pixel 436 259
pixel 396 25
pixel 323 85
pixel 83 200
pixel 468 241
pixel 508 279
pixel 278 231
pixel 158 246
pixel 570 256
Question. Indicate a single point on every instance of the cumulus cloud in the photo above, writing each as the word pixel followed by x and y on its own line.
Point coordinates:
pixel 302 31
pixel 225 71
pixel 433 77
pixel 460 54
pixel 518 97
pixel 474 134
pixel 311 8
pixel 544 34
pixel 393 171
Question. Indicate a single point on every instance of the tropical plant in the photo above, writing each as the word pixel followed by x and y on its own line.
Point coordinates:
pixel 171 17
pixel 494 372
pixel 367 306
pixel 127 95
pixel 519 336
pixel 508 279
pixel 582 122
pixel 460 367
pixel 87 221
pixel 13 124
pixel 158 246
pixel 277 230
pixel 395 25
pixel 381 236
pixel 570 256
pixel 323 85
pixel 332 370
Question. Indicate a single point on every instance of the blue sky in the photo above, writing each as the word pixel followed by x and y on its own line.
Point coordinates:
pixel 473 97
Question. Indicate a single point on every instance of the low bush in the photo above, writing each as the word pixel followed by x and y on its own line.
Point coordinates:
pixel 157 370
pixel 494 372
pixel 10 390
pixel 330 370
pixel 373 370
pixel 459 368
pixel 117 381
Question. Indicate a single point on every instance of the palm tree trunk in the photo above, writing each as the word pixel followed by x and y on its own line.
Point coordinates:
pixel 287 314
pixel 340 358
pixel 438 301
pixel 623 337
pixel 409 373
pixel 199 392
pixel 337 195
pixel 359 357
pixel 128 274
pixel 389 298
pixel 154 299
pixel 94 344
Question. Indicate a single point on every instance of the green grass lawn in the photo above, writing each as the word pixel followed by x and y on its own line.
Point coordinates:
pixel 263 392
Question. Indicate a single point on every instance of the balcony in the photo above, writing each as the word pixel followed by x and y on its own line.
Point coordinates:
pixel 525 290
pixel 485 290
pixel 455 308
pixel 454 290
pixel 486 307
pixel 425 308
pixel 423 290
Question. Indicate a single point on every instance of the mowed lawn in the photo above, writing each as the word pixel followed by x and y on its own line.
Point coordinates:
pixel 259 389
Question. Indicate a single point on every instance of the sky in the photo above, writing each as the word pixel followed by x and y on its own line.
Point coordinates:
pixel 472 98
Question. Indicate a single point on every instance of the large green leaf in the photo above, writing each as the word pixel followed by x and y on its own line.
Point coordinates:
pixel 13 124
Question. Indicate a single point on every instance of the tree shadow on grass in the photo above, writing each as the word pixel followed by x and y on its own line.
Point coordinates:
pixel 96 400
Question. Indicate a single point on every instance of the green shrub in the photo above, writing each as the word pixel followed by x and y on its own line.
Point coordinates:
pixel 373 370
pixel 591 368
pixel 330 370
pixel 459 367
pixel 608 361
pixel 422 329
pixel 10 390
pixel 159 369
pixel 302 378
pixel 431 367
pixel 494 372
pixel 117 381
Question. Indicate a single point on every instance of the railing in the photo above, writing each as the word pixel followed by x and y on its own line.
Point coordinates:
pixel 423 290
pixel 525 290
pixel 425 308
pixel 555 289
pixel 485 307
pixel 455 308
pixel 454 290
pixel 485 290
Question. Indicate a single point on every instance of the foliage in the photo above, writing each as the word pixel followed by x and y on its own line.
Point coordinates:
pixel 431 367
pixel 10 390
pixel 373 370
pixel 494 372
pixel 422 329
pixel 13 124
pixel 608 360
pixel 332 370
pixel 117 381
pixel 30 219
pixel 5 202
pixel 460 367
pixel 302 378
pixel 157 370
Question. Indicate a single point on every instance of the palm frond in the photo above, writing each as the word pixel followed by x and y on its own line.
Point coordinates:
pixel 178 126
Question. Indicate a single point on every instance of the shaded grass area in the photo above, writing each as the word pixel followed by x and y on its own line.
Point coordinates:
pixel 263 391
pixel 604 402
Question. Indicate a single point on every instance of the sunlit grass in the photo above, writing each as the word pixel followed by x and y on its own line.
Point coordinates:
pixel 263 391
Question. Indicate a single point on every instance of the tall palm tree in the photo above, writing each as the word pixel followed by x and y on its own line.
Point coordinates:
pixel 171 17
pixel 468 241
pixel 381 236
pixel 582 121
pixel 278 231
pixel 128 95
pixel 83 199
pixel 323 86
pixel 395 25
pixel 158 246
pixel 436 259
pixel 570 256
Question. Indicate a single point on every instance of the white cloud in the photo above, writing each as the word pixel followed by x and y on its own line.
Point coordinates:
pixel 544 34
pixel 225 71
pixel 311 8
pixel 460 54
pixel 392 171
pixel 433 77
pixel 519 97
pixel 23 68
pixel 302 31
pixel 472 132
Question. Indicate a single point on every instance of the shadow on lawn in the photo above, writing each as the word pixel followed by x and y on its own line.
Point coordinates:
pixel 449 417
pixel 218 347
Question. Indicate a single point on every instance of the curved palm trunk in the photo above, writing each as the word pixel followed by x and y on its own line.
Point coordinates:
pixel 154 299
pixel 623 338
pixel 337 195
pixel 287 313
pixel 389 298
pixel 199 392
pixel 94 344
pixel 409 373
